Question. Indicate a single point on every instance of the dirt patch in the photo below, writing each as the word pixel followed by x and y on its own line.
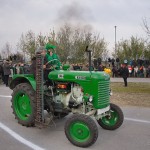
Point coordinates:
pixel 132 99
pixel 134 95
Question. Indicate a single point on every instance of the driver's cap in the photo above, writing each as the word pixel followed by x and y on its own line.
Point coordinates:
pixel 50 47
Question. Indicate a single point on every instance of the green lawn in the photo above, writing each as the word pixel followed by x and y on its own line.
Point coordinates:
pixel 132 87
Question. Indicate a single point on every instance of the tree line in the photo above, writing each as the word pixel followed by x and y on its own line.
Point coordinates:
pixel 133 49
pixel 72 41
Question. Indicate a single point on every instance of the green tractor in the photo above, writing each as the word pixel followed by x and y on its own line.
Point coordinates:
pixel 85 95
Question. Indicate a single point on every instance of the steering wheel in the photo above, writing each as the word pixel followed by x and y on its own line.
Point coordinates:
pixel 53 63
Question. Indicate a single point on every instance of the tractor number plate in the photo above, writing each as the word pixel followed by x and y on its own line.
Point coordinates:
pixel 80 77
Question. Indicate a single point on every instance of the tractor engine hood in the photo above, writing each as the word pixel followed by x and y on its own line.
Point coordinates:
pixel 75 76
pixel 95 84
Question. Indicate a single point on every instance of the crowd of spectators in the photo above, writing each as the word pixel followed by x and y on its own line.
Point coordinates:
pixel 134 71
pixel 7 69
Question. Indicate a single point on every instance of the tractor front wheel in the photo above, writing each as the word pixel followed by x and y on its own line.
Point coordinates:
pixel 81 130
pixel 114 120
pixel 23 104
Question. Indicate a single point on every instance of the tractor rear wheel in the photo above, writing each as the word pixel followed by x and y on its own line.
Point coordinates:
pixel 23 104
pixel 114 120
pixel 81 130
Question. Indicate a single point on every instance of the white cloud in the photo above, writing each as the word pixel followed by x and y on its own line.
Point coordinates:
pixel 19 16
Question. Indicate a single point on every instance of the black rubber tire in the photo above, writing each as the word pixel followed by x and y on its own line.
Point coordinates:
pixel 120 119
pixel 89 122
pixel 26 88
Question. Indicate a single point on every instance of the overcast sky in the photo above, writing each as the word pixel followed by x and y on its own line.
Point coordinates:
pixel 20 16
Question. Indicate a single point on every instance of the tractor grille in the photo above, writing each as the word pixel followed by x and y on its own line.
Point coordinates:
pixel 103 93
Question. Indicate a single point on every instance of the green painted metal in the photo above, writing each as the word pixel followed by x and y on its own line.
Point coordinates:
pixel 112 119
pixel 22 105
pixel 66 67
pixel 70 76
pixel 79 131
pixel 93 83
pixel 29 77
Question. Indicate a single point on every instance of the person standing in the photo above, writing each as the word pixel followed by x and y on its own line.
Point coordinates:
pixel 1 71
pixel 120 70
pixel 136 71
pixel 7 72
pixel 100 67
pixel 114 71
pixel 125 74
pixel 85 67
pixel 33 66
pixel 41 50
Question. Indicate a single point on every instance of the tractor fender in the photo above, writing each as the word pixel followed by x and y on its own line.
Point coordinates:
pixel 23 79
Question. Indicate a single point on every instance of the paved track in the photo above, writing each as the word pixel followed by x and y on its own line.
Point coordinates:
pixel 144 80
pixel 134 134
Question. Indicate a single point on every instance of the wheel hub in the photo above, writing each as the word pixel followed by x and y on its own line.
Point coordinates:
pixel 111 119
pixel 80 131
pixel 24 105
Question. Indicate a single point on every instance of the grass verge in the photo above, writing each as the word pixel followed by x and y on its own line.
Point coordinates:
pixel 136 94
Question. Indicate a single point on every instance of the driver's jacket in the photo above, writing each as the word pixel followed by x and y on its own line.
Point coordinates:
pixel 54 60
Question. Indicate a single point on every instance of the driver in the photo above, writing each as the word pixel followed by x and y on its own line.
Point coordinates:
pixel 52 57
pixel 51 60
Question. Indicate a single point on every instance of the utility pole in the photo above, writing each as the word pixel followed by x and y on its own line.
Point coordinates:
pixel 115 42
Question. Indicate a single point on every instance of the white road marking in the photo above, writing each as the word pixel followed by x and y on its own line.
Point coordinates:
pixel 137 120
pixel 19 138
pixel 5 96
pixel 36 147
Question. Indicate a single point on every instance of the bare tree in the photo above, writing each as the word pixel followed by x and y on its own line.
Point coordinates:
pixel 40 40
pixel 70 42
pixel 27 43
pixel 146 27
pixel 131 49
pixel 6 51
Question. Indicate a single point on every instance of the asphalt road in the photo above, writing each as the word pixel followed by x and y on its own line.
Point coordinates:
pixel 134 134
